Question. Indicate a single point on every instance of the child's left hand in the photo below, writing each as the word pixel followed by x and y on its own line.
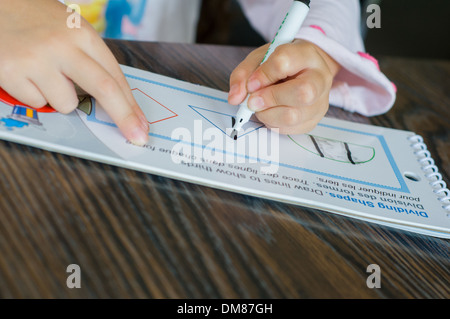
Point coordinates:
pixel 289 91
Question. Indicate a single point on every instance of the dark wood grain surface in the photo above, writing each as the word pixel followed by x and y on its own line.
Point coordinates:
pixel 137 235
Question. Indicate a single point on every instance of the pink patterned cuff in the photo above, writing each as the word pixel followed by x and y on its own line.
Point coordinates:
pixel 317 28
pixel 370 58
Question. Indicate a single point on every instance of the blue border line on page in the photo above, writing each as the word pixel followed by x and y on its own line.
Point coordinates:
pixel 403 187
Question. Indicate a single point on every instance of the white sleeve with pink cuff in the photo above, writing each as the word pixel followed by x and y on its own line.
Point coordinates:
pixel 334 26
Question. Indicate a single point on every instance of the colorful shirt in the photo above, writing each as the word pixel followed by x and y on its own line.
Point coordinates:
pixel 145 20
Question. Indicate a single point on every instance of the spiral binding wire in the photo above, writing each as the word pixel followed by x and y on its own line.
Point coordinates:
pixel 431 171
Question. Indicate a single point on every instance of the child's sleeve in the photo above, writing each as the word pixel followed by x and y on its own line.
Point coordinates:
pixel 334 26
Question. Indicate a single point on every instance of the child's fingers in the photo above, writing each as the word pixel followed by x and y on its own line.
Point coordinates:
pixel 294 120
pixel 240 75
pixel 58 91
pixel 25 91
pixel 103 56
pixel 286 61
pixel 96 81
pixel 298 92
pixel 101 53
pixel 280 117
pixel 59 53
pixel 275 118
pixel 294 106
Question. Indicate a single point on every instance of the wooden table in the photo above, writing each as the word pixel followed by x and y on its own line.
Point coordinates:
pixel 136 235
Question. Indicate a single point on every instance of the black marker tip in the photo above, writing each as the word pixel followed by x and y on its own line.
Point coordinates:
pixel 234 135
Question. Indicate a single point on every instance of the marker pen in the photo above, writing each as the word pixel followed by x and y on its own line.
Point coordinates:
pixel 286 34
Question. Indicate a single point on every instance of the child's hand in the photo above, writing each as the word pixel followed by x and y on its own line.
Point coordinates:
pixel 40 56
pixel 289 91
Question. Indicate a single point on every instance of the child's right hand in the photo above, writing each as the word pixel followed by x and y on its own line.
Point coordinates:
pixel 41 57
pixel 290 91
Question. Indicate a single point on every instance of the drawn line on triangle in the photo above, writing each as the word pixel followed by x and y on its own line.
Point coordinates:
pixel 224 114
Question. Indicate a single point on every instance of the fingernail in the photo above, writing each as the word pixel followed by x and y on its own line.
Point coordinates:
pixel 144 122
pixel 256 103
pixel 139 136
pixel 233 90
pixel 253 85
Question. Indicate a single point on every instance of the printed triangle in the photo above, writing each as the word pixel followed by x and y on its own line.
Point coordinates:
pixel 224 121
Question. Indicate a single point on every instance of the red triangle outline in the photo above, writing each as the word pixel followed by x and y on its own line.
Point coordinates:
pixel 164 119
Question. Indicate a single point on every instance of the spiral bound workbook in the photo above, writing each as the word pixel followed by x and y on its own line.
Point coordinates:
pixel 380 175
